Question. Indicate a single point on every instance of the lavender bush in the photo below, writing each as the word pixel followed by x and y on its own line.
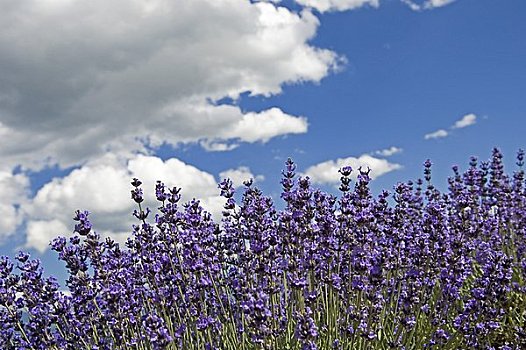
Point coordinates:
pixel 413 270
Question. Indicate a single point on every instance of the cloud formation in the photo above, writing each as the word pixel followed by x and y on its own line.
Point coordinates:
pixel 344 5
pixel 436 134
pixel 78 79
pixel 389 151
pixel 337 5
pixel 103 187
pixel 327 172
pixel 13 193
pixel 426 5
pixel 465 121
pixel 82 80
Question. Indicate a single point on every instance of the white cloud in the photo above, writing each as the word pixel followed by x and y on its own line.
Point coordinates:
pixel 426 5
pixel 103 188
pixel 215 146
pixel 412 5
pixel 436 134
pixel 389 151
pixel 337 5
pixel 226 122
pixel 41 232
pixel 327 172
pixel 80 78
pixel 263 126
pixel 467 120
pixel 13 193
pixel 239 175
pixel 438 3
pixel 344 5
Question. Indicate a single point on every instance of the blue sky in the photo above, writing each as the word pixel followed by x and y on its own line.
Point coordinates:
pixel 190 91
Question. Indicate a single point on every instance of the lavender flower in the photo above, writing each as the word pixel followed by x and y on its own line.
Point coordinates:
pixel 420 269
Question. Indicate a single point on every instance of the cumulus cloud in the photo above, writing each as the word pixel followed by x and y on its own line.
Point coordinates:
pixel 226 123
pixel 41 232
pixel 78 79
pixel 426 5
pixel 239 175
pixel 13 193
pixel 263 126
pixel 467 120
pixel 436 134
pixel 103 187
pixel 337 5
pixel 327 172
pixel 389 151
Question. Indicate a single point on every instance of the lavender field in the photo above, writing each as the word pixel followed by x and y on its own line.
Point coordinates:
pixel 262 175
pixel 411 269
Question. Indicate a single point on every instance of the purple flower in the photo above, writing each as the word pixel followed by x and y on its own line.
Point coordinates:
pixel 321 272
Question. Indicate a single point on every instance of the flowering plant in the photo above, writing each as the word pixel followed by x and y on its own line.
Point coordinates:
pixel 418 269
